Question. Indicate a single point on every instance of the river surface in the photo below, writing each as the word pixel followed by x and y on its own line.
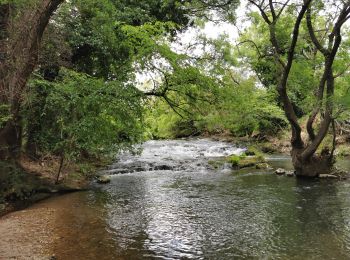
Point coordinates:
pixel 170 203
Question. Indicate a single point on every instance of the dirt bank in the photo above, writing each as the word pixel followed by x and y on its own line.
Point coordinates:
pixel 27 234
pixel 28 181
pixel 63 227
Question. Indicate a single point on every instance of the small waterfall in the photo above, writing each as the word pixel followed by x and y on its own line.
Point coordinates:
pixel 173 155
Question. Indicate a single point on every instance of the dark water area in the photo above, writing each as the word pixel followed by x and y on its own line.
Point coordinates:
pixel 170 203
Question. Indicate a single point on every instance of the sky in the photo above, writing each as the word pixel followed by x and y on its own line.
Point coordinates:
pixel 211 30
pixel 214 30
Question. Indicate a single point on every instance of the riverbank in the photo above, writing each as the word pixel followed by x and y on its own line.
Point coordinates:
pixel 280 142
pixel 28 181
pixel 173 204
pixel 33 180
pixel 50 228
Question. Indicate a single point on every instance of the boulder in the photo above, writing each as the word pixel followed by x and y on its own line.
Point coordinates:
pixel 280 171
pixel 103 179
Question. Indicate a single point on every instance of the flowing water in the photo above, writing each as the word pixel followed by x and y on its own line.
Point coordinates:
pixel 170 203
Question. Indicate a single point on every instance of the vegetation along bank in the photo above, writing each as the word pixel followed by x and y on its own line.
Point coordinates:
pixel 83 80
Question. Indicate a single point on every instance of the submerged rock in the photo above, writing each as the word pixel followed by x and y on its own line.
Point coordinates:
pixel 328 176
pixel 262 166
pixel 280 171
pixel 163 167
pixel 103 179
pixel 341 174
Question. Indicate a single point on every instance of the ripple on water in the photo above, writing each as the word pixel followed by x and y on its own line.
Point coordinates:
pixel 195 212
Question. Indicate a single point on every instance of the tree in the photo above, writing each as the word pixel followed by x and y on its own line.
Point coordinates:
pixel 255 51
pixel 85 117
pixel 22 26
pixel 306 160
pixel 96 40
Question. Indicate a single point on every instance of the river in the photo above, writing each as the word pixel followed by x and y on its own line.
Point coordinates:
pixel 169 203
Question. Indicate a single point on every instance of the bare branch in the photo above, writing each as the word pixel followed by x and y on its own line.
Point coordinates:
pixel 261 9
pixel 312 33
pixel 272 9
pixel 282 8
pixel 253 43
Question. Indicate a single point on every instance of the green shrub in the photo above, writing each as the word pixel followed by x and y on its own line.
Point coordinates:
pixel 234 160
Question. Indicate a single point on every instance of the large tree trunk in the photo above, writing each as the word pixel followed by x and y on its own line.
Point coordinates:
pixel 21 33
pixel 313 166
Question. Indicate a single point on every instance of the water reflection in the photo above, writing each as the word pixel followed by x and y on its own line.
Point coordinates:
pixel 196 212
pixel 319 219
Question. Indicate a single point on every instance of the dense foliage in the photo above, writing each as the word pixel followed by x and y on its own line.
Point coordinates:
pixel 80 114
pixel 82 100
pixel 111 73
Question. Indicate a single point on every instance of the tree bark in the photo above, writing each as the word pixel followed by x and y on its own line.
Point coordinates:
pixel 10 140
pixel 19 53
pixel 313 166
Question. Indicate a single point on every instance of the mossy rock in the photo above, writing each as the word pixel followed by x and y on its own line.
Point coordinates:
pixel 252 150
pixel 267 148
pixel 234 159
pixel 245 161
pixel 251 161
pixel 217 164
pixel 262 166
pixel 259 150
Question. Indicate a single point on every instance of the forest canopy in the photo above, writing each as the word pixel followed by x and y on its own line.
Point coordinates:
pixel 71 71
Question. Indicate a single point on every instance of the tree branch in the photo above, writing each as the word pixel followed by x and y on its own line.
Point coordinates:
pixel 262 12
pixel 312 34
pixel 282 86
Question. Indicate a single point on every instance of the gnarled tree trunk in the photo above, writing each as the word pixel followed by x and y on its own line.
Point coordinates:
pixel 313 166
pixel 305 159
pixel 21 33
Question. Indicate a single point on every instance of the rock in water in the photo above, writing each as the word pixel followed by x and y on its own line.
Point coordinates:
pixel 328 176
pixel 280 171
pixel 262 166
pixel 103 179
pixel 290 173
